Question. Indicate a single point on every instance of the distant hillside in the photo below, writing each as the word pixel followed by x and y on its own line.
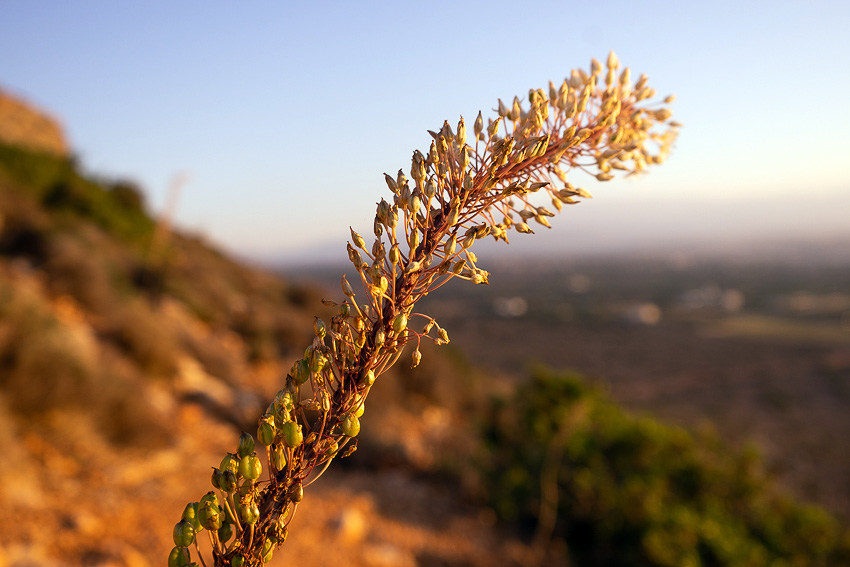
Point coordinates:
pixel 24 125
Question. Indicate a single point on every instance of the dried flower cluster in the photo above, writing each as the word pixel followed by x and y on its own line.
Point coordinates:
pixel 459 191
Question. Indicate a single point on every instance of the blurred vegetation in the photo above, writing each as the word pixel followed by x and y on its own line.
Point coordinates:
pixel 629 491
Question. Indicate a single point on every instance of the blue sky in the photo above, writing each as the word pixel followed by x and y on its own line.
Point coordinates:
pixel 285 115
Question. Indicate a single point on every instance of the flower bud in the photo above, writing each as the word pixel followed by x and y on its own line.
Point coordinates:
pixel 291 434
pixel 246 445
pixel 351 425
pixel 183 534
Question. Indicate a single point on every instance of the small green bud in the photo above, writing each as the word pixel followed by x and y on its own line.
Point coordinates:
pixel 351 425
pixel 246 445
pixel 291 434
pixel 184 533
pixel 250 467
pixel 179 557
pixel 318 362
pixel 302 371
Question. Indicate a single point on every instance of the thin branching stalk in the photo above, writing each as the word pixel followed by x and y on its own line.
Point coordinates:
pixel 598 122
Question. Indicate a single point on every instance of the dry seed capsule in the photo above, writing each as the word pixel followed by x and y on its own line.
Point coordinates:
pixel 351 425
pixel 291 434
pixel 246 444
pixel 394 254
pixel 183 534
pixel 416 359
pixel 380 337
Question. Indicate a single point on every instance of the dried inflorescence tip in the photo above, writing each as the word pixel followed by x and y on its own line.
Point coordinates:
pixel 597 122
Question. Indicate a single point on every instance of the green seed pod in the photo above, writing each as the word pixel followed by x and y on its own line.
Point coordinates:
pixel 380 338
pixel 229 463
pixel 361 409
pixel 291 434
pixel 318 362
pixel 302 371
pixel 250 467
pixel 209 497
pixel 237 561
pixel 296 493
pixel 246 445
pixel 266 431
pixel 344 310
pixel 190 514
pixel 183 534
pixel 268 551
pixel 249 513
pixel 400 323
pixel 351 425
pixel 225 532
pixel 228 481
pixel 367 379
pixel 319 327
pixel 278 457
pixel 210 516
pixel 179 557
pixel 216 478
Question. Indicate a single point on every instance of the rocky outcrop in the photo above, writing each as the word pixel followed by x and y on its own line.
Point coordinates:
pixel 22 124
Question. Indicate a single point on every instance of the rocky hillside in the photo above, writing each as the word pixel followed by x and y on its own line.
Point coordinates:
pixel 24 125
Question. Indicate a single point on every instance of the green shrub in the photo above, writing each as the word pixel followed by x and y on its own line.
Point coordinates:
pixel 632 492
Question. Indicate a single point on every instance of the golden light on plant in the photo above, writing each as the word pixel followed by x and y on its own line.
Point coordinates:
pixel 459 191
